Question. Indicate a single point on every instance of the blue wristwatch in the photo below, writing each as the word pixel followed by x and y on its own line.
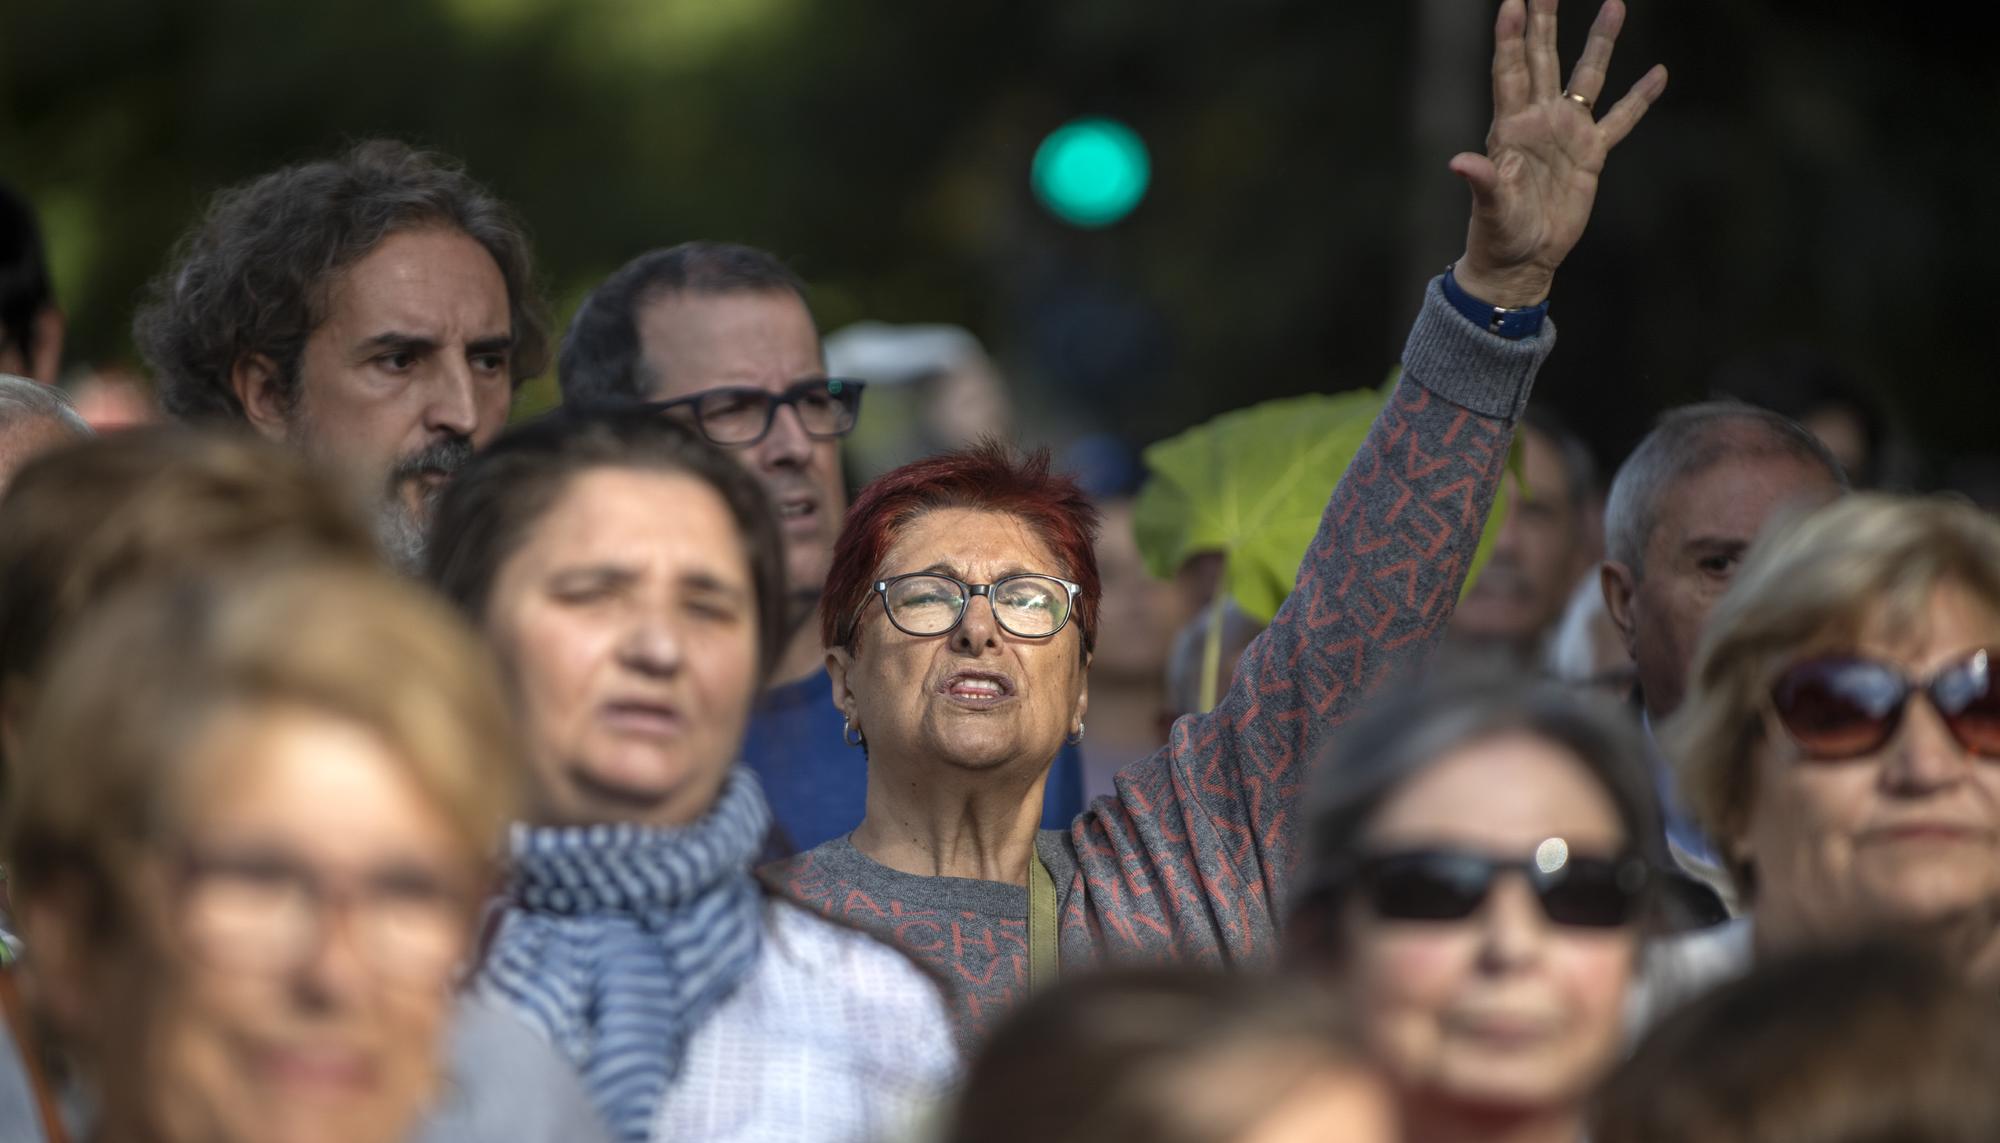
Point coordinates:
pixel 1515 324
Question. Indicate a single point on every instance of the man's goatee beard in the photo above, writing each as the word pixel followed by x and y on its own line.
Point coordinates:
pixel 404 535
pixel 401 537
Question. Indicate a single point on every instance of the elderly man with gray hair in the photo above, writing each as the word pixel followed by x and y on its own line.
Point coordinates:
pixel 34 418
pixel 1683 510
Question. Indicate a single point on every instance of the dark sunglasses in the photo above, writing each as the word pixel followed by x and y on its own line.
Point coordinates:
pixel 1451 885
pixel 1844 706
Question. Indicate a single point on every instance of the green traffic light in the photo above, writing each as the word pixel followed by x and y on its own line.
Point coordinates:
pixel 1091 172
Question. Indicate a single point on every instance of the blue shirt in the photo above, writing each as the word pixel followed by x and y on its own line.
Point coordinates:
pixel 818 785
pixel 1685 838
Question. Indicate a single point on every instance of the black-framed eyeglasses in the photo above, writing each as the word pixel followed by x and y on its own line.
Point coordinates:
pixel 1030 605
pixel 1441 885
pixel 738 416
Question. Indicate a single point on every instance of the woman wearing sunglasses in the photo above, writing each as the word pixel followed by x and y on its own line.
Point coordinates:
pixel 1841 738
pixel 1481 864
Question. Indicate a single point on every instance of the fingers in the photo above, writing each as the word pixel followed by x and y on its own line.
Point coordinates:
pixel 1510 60
pixel 1626 113
pixel 1544 69
pixel 1588 78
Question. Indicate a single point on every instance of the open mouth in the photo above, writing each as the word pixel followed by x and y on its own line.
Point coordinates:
pixel 977 689
pixel 793 510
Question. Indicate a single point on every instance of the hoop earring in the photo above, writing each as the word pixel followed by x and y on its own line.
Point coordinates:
pixel 1076 736
pixel 850 735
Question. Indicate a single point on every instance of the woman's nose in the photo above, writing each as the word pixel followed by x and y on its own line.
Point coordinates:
pixel 977 630
pixel 1512 925
pixel 786 444
pixel 333 971
pixel 652 645
pixel 1923 755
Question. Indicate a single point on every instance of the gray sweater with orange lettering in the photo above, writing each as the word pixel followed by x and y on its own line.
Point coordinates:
pixel 1190 857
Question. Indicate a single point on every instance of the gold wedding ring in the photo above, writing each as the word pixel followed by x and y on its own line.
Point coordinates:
pixel 1581 101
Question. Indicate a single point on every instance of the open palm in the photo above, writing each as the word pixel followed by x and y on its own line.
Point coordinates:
pixel 1533 189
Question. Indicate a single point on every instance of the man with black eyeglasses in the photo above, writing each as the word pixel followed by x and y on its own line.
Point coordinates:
pixel 719 336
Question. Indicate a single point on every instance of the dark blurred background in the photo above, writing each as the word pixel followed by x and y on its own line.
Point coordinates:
pixel 1819 174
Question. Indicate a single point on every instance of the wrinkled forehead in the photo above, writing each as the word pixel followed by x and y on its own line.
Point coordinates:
pixel 640 516
pixel 422 282
pixel 1735 497
pixel 1501 793
pixel 1920 619
pixel 974 544
pixel 272 765
pixel 691 342
pixel 1923 621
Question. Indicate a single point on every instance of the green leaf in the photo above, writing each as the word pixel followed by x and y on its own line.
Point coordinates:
pixel 1502 504
pixel 1252 485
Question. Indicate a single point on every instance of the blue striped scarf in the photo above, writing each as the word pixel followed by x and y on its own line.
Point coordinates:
pixel 620 940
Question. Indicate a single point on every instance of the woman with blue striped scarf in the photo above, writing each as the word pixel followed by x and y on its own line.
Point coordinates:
pixel 631 579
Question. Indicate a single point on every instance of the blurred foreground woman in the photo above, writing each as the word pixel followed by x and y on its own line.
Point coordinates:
pixel 1878 1043
pixel 84 523
pixel 249 830
pixel 1482 861
pixel 631 578
pixel 79 523
pixel 1174 1056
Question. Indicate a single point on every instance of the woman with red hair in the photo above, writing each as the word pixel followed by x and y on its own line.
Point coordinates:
pixel 961 610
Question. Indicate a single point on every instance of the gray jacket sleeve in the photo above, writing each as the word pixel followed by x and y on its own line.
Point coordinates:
pixel 508 1085
pixel 20 1120
pixel 1193 855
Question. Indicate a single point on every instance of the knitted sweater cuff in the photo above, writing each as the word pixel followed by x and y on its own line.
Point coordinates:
pixel 1473 369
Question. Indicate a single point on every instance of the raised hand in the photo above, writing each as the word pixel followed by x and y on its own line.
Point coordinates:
pixel 1533 188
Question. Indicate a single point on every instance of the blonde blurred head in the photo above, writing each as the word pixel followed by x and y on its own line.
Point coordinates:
pixel 186 714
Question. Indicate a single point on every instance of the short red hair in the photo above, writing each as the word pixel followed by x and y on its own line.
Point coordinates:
pixel 989 477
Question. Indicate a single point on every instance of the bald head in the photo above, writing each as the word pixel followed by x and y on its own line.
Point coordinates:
pixel 34 418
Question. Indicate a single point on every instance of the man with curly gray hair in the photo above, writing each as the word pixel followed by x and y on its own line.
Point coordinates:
pixel 374 310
